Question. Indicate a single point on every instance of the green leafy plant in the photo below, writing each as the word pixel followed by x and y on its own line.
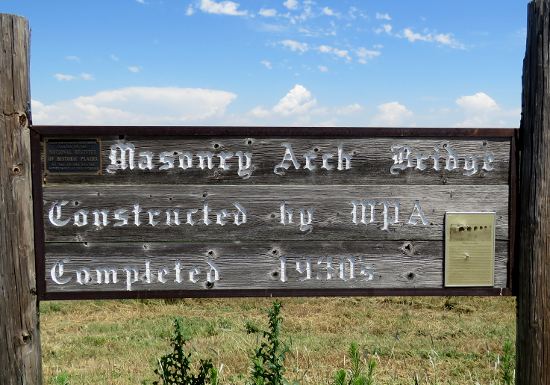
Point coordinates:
pixel 356 375
pixel 268 359
pixel 61 379
pixel 175 368
pixel 507 364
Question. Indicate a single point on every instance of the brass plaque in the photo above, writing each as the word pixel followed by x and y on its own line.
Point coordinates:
pixel 469 249
pixel 73 156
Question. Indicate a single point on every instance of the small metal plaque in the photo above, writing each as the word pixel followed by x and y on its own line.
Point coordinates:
pixel 469 249
pixel 73 156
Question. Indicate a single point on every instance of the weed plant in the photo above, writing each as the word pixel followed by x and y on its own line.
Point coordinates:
pixel 269 358
pixel 507 372
pixel 175 368
pixel 268 361
pixel 356 375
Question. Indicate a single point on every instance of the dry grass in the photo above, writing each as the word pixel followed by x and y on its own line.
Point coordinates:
pixel 441 340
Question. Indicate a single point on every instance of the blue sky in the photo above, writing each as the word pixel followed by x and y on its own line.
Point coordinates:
pixel 287 62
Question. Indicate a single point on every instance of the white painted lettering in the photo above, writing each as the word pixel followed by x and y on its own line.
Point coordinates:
pixel 288 159
pixel 80 218
pixel 83 276
pixel 326 165
pixel 100 218
pixel 224 157
pixel 145 160
pixel 177 268
pixel 106 274
pixel 343 157
pixel 305 223
pixel 193 273
pixel 57 272
pixel 121 157
pixel 131 277
pixel 386 206
pixel 239 214
pixel 121 215
pixel 213 273
pixel 190 220
pixel 161 274
pixel 304 269
pixel 136 211
pixel 417 214
pixel 167 158
pixel 205 155
pixel 282 269
pixel 152 213
pixel 54 215
pixel 309 157
pixel 245 164
pixel 401 159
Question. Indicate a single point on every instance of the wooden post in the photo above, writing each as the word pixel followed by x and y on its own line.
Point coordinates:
pixel 20 362
pixel 533 291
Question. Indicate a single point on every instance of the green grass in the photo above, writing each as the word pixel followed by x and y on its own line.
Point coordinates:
pixel 441 341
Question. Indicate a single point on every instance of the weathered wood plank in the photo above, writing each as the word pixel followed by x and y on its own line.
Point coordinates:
pixel 20 361
pixel 255 265
pixel 370 164
pixel 533 284
pixel 332 217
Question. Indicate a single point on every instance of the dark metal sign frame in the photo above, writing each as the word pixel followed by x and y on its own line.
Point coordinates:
pixel 38 133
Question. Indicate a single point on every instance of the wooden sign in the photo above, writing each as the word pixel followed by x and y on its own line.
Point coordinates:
pixel 214 211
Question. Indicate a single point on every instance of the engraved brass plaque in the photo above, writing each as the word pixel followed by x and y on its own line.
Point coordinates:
pixel 73 156
pixel 469 249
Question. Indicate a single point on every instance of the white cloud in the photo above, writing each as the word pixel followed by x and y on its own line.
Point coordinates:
pixel 72 58
pixel 190 11
pixel 392 114
pixel 300 107
pixel 259 112
pixel 294 45
pixel 297 101
pixel 134 69
pixel 341 53
pixel 364 54
pixel 229 8
pixel 114 57
pixel 387 28
pixel 413 36
pixel 445 39
pixel 291 4
pixel 322 68
pixel 349 109
pixel 67 77
pixel 477 102
pixel 137 106
pixel 64 77
pixel 354 13
pixel 141 1
pixel 481 110
pixel 268 12
pixel 267 64
pixel 329 12
pixel 383 16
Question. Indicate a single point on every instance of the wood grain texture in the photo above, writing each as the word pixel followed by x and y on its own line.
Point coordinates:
pixel 256 265
pixel 371 162
pixel 332 219
pixel 20 361
pixel 533 316
pixel 276 131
